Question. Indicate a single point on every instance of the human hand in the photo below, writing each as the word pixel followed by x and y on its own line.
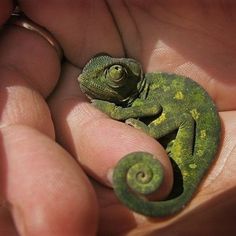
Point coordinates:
pixel 165 37
pixel 43 190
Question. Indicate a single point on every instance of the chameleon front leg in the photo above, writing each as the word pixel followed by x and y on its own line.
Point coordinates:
pixel 139 108
pixel 164 125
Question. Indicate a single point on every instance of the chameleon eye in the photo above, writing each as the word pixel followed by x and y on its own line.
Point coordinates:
pixel 116 74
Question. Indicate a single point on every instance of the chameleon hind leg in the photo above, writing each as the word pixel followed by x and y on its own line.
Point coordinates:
pixel 182 146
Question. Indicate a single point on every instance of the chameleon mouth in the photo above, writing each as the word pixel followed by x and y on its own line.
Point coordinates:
pixel 94 91
pixel 88 92
pixel 86 89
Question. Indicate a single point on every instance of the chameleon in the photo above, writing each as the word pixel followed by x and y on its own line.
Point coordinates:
pixel 171 108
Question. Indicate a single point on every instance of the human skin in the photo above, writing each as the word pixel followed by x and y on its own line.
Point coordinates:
pixel 44 185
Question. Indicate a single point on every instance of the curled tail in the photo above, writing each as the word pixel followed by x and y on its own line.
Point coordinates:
pixel 139 174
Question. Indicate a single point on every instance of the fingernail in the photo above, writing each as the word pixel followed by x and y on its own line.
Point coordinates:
pixel 19 219
pixel 109 176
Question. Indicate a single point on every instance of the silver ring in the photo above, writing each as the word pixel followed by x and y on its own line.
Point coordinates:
pixel 19 19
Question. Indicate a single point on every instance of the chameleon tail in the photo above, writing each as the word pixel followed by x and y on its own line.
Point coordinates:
pixel 140 174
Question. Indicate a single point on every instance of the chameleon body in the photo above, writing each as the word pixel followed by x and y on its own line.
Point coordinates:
pixel 172 109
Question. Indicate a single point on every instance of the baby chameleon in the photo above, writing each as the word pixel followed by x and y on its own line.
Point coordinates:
pixel 169 107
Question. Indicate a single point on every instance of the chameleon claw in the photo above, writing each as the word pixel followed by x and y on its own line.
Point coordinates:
pixel 137 124
pixel 130 122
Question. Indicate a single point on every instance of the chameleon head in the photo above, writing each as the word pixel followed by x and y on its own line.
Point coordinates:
pixel 112 79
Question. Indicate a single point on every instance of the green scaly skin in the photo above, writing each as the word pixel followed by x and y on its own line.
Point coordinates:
pixel 171 108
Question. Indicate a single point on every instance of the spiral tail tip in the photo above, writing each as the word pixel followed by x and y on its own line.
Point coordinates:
pixel 135 177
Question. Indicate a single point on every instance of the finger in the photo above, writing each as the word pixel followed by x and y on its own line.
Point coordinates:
pixel 44 185
pixel 96 140
pixel 29 69
pixel 25 80
pixel 31 56
pixel 6 7
pixel 86 29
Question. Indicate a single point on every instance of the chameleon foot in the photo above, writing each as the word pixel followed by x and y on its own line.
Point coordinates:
pixel 137 124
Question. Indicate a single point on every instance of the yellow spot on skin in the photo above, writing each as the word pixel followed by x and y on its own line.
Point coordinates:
pixel 199 153
pixel 193 166
pixel 138 102
pixel 160 119
pixel 177 149
pixel 155 86
pixel 195 114
pixel 203 134
pixel 166 88
pixel 179 95
pixel 185 173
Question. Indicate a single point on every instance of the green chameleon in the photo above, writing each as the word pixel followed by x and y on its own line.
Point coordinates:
pixel 169 107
